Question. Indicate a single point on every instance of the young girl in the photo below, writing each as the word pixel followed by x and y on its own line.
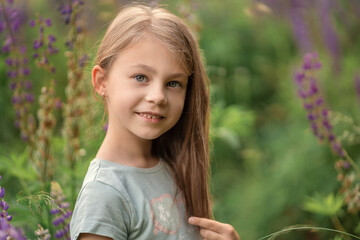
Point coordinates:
pixel 149 179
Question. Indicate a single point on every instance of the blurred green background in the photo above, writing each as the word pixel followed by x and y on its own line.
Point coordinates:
pixel 265 160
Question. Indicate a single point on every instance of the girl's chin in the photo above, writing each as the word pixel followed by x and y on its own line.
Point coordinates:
pixel 149 136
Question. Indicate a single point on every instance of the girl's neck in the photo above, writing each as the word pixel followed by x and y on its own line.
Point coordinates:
pixel 127 149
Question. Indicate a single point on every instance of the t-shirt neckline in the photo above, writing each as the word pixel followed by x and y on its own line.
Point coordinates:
pixel 156 168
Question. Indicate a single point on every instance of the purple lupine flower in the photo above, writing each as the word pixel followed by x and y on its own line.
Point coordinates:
pixel 299 77
pixel 299 27
pixel 7 231
pixel 48 22
pixel 68 214
pixel 12 74
pixel 65 10
pixel 32 23
pixel 51 38
pixel 346 165
pixel 43 45
pixel 69 45
pixel 2 26
pixel 55 211
pixel 29 97
pixel 59 234
pixel 59 220
pixel 70 12
pixel 22 50
pixel 61 214
pixel 16 99
pixel 313 103
pixel 2 192
pixel 4 205
pixel 83 60
pixel 9 61
pixel 5 48
pixel 79 29
pixel 308 106
pixel 329 35
pixel 15 18
pixel 27 85
pixel 319 101
pixel 26 71
pixel 37 44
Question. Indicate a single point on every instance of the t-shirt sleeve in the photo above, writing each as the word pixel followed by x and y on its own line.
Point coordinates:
pixel 101 209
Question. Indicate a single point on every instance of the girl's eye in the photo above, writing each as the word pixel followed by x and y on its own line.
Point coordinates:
pixel 140 78
pixel 174 84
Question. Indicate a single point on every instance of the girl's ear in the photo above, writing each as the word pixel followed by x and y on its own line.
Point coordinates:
pixel 99 80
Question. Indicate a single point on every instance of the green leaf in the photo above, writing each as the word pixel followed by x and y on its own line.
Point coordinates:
pixel 17 165
pixel 324 205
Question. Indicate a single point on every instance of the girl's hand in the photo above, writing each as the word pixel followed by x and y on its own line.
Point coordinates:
pixel 213 230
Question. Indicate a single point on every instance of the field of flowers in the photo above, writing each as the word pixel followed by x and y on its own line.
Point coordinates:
pixel 285 125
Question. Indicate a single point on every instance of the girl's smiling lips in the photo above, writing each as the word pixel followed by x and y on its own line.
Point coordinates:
pixel 150 116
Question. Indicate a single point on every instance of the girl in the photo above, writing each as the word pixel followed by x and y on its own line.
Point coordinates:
pixel 151 171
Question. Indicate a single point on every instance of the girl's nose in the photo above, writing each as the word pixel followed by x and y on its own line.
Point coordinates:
pixel 156 95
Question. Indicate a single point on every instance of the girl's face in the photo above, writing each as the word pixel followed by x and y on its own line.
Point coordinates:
pixel 145 90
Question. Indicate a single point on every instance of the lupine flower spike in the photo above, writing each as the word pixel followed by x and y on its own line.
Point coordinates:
pixel 43 157
pixel 42 234
pixel 313 102
pixel 11 21
pixel 44 48
pixel 44 44
pixel 75 106
pixel 7 231
pixel 318 116
pixel 62 214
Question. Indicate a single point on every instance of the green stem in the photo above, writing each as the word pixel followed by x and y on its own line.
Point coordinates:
pixel 49 216
pixel 275 234
pixel 352 163
pixel 338 225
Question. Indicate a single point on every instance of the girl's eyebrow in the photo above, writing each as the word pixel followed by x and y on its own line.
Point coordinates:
pixel 153 71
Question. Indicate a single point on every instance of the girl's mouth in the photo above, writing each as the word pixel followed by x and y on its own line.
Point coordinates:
pixel 149 116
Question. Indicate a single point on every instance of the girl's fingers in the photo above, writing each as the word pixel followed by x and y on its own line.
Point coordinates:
pixel 209 235
pixel 205 223
pixel 212 230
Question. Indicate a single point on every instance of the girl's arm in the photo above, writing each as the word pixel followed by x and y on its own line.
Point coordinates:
pixel 89 236
pixel 213 230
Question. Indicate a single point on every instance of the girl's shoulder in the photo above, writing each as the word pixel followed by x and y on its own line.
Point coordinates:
pixel 99 206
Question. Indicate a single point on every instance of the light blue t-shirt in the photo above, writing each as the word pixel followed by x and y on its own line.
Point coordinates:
pixel 123 202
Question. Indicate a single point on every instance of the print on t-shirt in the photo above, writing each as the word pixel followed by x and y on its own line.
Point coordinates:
pixel 165 214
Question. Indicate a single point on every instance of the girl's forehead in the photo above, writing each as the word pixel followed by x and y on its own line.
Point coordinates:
pixel 152 52
pixel 147 42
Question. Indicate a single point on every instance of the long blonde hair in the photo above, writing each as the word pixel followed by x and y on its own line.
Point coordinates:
pixel 185 147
